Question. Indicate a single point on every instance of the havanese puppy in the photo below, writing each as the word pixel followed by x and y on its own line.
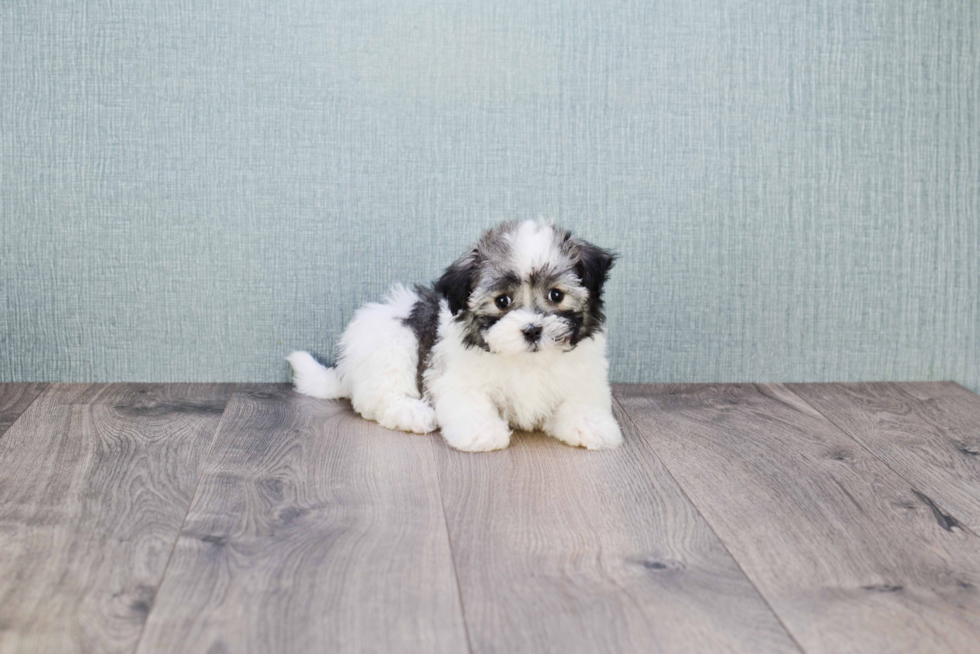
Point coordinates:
pixel 511 336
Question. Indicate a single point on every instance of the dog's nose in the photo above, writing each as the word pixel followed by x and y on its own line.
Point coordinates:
pixel 532 333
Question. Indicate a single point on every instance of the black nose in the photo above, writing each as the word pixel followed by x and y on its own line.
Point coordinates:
pixel 532 333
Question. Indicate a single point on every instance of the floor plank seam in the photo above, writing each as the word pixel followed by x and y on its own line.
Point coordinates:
pixel 40 394
pixel 173 549
pixel 931 503
pixel 959 385
pixel 724 545
pixel 17 419
pixel 449 540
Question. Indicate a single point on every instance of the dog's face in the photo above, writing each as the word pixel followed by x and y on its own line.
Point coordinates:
pixel 527 287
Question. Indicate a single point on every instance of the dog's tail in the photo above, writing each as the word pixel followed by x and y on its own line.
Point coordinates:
pixel 313 379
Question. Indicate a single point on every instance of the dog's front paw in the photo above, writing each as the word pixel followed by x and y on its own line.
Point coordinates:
pixel 409 414
pixel 479 436
pixel 593 430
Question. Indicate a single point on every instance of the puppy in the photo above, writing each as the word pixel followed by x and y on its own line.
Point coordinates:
pixel 512 335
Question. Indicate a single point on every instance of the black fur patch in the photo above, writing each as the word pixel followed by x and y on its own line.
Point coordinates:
pixel 456 283
pixel 593 268
pixel 424 322
pixel 576 321
pixel 477 325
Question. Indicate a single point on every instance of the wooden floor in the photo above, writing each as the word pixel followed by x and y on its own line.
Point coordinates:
pixel 245 518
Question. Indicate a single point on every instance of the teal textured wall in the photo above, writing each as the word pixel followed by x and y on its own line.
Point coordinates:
pixel 189 190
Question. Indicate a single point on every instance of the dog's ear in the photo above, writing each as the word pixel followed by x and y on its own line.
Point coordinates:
pixel 592 267
pixel 456 283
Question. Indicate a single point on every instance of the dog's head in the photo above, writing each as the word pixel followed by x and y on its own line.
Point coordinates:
pixel 527 287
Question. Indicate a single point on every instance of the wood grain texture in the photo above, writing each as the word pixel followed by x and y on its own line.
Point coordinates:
pixel 313 530
pixel 562 550
pixel 928 432
pixel 14 400
pixel 847 553
pixel 94 483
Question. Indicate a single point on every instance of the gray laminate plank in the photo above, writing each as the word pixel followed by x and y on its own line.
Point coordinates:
pixel 848 554
pixel 562 550
pixel 313 530
pixel 94 483
pixel 928 432
pixel 14 400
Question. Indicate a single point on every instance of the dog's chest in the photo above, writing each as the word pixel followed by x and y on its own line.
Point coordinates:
pixel 528 395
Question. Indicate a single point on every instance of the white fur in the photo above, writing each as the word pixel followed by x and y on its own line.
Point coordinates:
pixel 479 395
pixel 376 368
pixel 474 396
pixel 533 245
pixel 310 378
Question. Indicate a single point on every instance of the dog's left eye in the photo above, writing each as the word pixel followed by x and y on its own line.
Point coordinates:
pixel 555 295
pixel 502 302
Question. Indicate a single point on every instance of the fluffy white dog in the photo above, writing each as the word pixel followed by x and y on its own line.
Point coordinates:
pixel 512 335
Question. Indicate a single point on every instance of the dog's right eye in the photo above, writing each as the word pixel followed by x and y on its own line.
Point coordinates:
pixel 502 302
